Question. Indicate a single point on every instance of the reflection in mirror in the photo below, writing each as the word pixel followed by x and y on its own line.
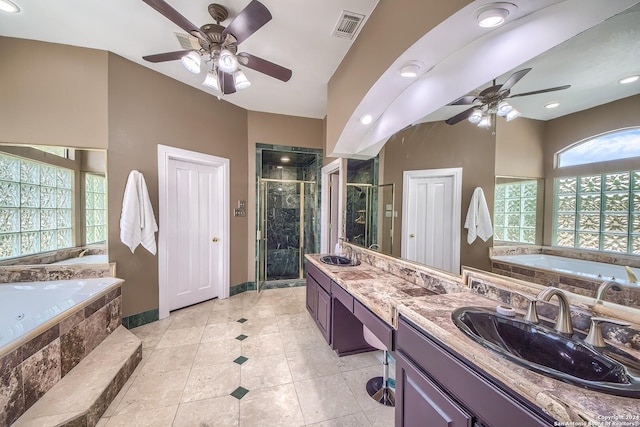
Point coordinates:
pixel 593 63
pixel 53 205
pixel 370 216
pixel 517 212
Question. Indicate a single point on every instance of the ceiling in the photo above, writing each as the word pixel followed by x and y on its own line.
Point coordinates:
pixel 591 62
pixel 298 37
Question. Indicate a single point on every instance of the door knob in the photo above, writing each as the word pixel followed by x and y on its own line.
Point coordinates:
pixel 214 240
pixel 412 235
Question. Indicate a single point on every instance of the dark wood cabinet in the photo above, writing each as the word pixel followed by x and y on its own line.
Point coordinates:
pixel 429 375
pixel 420 402
pixel 319 300
pixel 323 314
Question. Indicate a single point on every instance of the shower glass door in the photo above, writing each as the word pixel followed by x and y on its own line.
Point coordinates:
pixel 286 229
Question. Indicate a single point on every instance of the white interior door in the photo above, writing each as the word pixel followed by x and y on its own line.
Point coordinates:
pixel 431 217
pixel 194 228
pixel 194 233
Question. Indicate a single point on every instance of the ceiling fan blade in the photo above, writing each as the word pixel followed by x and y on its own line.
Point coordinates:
pixel 513 79
pixel 535 92
pixel 460 116
pixel 175 17
pixel 227 84
pixel 248 21
pixel 465 100
pixel 264 66
pixel 167 56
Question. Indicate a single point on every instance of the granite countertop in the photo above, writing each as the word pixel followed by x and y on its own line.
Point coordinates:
pixel 380 291
pixel 388 296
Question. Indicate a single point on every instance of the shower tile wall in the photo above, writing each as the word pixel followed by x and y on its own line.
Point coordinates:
pixel 283 219
pixel 359 172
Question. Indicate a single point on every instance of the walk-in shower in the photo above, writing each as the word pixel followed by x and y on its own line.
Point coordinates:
pixel 287 216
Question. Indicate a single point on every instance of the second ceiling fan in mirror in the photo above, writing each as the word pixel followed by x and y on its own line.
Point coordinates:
pixel 492 100
pixel 217 46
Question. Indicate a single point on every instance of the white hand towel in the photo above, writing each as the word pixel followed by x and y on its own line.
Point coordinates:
pixel 137 220
pixel 478 222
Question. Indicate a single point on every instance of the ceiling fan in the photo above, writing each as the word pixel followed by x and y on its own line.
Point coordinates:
pixel 219 46
pixel 492 100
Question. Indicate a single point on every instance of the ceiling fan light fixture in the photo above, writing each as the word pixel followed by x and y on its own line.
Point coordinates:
pixel 191 61
pixel 512 114
pixel 212 80
pixel 9 6
pixel 629 79
pixel 504 108
pixel 476 116
pixel 227 62
pixel 485 122
pixel 241 80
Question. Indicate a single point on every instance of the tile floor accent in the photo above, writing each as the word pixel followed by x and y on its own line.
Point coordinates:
pixel 196 372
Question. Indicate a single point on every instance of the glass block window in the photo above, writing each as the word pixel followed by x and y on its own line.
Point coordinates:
pixel 95 192
pixel 620 144
pixel 598 212
pixel 36 202
pixel 58 151
pixel 515 212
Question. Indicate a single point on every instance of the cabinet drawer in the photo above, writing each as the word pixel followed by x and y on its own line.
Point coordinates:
pixel 321 278
pixel 379 327
pixel 491 404
pixel 343 296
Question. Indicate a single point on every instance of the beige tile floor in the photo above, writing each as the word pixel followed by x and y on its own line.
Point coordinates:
pixel 190 369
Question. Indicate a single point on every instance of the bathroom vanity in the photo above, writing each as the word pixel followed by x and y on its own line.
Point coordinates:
pixel 441 374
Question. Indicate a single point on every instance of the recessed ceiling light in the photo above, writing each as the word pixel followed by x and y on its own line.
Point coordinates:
pixel 284 159
pixel 629 79
pixel 366 119
pixel 9 6
pixel 493 14
pixel 552 105
pixel 278 167
pixel 492 18
pixel 411 69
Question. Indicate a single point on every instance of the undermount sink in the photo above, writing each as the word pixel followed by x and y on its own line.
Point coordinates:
pixel 338 260
pixel 549 353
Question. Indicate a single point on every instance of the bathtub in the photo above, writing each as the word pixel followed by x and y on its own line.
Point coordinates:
pixel 87 259
pixel 589 270
pixel 26 306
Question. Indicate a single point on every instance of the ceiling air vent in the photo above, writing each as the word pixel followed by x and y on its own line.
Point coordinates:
pixel 347 25
pixel 187 42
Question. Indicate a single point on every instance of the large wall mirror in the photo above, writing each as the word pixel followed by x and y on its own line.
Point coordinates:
pixel 511 157
pixel 53 205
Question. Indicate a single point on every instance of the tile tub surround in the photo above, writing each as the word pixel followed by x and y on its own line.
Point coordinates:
pixel 37 273
pixel 605 257
pixel 29 369
pixel 565 402
pixel 581 285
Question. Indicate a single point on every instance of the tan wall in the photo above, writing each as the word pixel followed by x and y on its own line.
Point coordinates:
pixel 519 148
pixel 52 94
pixel 146 109
pixel 277 129
pixel 390 30
pixel 437 145
pixel 567 130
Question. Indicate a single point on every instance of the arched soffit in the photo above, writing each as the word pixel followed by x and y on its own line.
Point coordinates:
pixel 457 57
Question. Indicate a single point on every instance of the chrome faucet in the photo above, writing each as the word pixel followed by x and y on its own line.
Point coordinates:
pixel 604 287
pixel 563 322
pixel 352 255
pixel 374 246
pixel 595 332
